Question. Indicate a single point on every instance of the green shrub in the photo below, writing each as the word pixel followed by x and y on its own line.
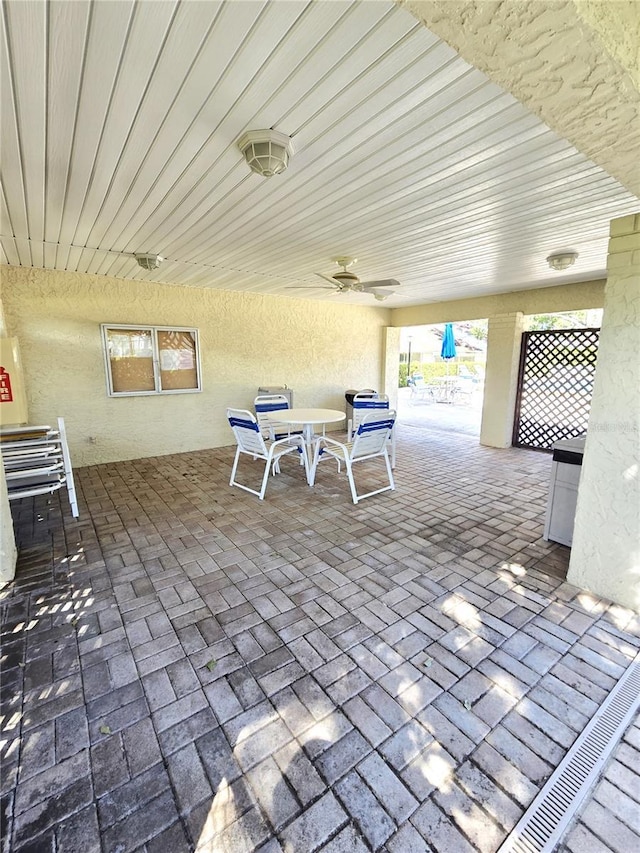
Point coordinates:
pixel 432 369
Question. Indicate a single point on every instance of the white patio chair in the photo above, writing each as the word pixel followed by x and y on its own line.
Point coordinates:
pixel 372 439
pixel 265 404
pixel 251 442
pixel 363 404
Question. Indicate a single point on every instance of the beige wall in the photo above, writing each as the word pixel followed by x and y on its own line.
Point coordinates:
pixel 504 339
pixel 246 340
pixel 617 25
pixel 605 555
pixel 543 300
pixel 392 360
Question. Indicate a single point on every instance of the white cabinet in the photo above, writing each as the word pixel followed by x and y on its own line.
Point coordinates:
pixel 563 490
pixel 37 462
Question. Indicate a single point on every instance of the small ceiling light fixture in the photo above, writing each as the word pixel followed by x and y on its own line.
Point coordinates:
pixel 148 262
pixel 267 152
pixel 562 260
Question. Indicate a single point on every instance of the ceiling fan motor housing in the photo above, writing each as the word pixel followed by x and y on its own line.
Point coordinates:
pixel 348 282
pixel 346 277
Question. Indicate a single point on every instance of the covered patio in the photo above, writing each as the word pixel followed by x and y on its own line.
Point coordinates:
pixel 188 668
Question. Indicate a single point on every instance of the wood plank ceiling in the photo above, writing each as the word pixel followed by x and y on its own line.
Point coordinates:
pixel 120 120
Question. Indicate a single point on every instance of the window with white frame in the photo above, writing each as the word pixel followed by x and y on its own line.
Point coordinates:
pixel 151 360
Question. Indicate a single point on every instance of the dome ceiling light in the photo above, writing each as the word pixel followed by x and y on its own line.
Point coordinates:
pixel 267 152
pixel 562 260
pixel 148 262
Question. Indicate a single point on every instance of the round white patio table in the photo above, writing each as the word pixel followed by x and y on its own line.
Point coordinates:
pixel 307 419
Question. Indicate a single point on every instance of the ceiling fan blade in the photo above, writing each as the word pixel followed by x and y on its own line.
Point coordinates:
pixel 379 292
pixel 327 278
pixel 387 282
pixel 309 287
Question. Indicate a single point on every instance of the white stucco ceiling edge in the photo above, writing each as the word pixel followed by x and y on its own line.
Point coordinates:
pixel 573 63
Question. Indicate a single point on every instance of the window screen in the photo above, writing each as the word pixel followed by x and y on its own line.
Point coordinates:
pixel 151 360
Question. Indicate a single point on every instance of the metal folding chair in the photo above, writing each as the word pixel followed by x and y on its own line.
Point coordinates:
pixel 251 442
pixel 372 439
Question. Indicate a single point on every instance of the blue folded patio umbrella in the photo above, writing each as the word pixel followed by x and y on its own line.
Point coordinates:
pixel 448 351
pixel 448 343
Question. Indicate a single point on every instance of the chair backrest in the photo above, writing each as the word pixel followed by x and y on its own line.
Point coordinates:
pixel 373 433
pixel 246 431
pixel 365 403
pixel 265 403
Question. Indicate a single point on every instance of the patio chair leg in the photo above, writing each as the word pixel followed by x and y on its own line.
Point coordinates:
pixel 352 482
pixel 389 471
pixel 235 467
pixel 267 469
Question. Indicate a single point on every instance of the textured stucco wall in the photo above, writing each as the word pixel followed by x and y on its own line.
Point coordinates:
pixel 570 63
pixel 392 360
pixel 504 337
pixel 617 23
pixel 246 340
pixel 543 300
pixel 605 555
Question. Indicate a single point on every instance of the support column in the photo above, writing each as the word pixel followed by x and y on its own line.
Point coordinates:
pixel 501 381
pixel 605 555
pixel 390 361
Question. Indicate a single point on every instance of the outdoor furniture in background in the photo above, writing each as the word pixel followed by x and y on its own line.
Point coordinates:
pixel 266 404
pixel 443 389
pixel 419 388
pixel 37 462
pixel 363 404
pixel 372 439
pixel 446 389
pixel 349 396
pixel 251 443
pixel 307 419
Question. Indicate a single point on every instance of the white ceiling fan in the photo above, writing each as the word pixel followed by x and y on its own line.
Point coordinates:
pixel 345 281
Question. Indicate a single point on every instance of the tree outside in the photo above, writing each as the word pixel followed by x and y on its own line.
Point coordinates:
pixel 589 318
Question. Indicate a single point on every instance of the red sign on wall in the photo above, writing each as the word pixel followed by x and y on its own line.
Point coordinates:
pixel 6 395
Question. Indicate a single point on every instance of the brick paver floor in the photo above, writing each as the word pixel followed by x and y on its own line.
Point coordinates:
pixel 610 818
pixel 188 668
